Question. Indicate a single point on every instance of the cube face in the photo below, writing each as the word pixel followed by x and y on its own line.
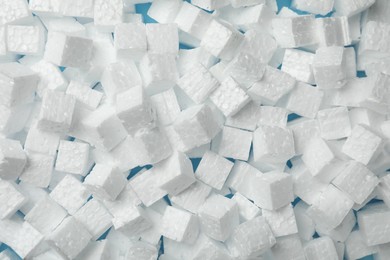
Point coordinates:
pixel 11 199
pixel 272 116
pixel 235 143
pixel 164 11
pixel 107 14
pixel 38 170
pixel 362 145
pixel 84 95
pixel 77 8
pixel 375 38
pixel 162 38
pixel 247 209
pixel 193 197
pixel 282 221
pixel 72 157
pixel 13 11
pixel 259 45
pixel 298 64
pixel 321 247
pixel 133 221
pixel 334 123
pixel 213 170
pixel 245 118
pixel 41 142
pixel 13 159
pixel 305 100
pixel 25 39
pixel 329 29
pixel 130 40
pixel 166 106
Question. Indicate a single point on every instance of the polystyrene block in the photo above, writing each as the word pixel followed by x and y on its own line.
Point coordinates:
pixel 77 8
pixel 246 118
pixel 259 45
pixel 272 116
pixel 130 40
pixel 166 106
pixel 12 159
pixel 96 250
pixel 356 247
pixel 84 95
pixel 247 210
pixel 257 17
pixel 25 39
pixel 41 142
pixel 321 248
pixel 162 38
pixel 334 31
pixel 107 14
pixel 298 64
pixel 14 11
pixel 12 199
pixel 38 169
pixel 193 197
pixel 305 100
pixel 164 11
pixel 234 143
pixel 306 226
pixel 288 246
pixel 342 231
pixel 334 123
pixel 281 221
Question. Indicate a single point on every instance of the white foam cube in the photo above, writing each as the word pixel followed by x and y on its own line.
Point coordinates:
pixel 221 40
pixel 84 95
pixel 374 224
pixel 105 181
pixel 247 210
pixel 56 112
pixel 11 199
pixel 164 11
pixel 38 170
pixel 298 64
pixel 259 45
pixel 25 39
pixel 273 86
pixel 377 93
pixel 70 194
pixel 334 31
pixel 362 145
pixel 375 38
pixel 382 252
pixel 314 7
pixel 288 246
pixel 384 189
pixel 303 130
pixel 107 14
pixel 198 83
pixel 251 238
pixel 18 84
pixel 218 217
pixel 13 120
pixel 234 143
pixel 46 215
pixel 96 250
pixel 257 17
pixel 351 7
pixel 342 231
pixel 77 8
pixel 95 217
pixel 272 116
pixel 193 197
pixel 159 72
pixel 45 8
pixel 71 237
pixel 41 142
pixel 305 100
pixel 14 11
pixel 133 221
pixel 176 173
pixel 67 50
pixel 12 159
pixel 329 67
pixel 356 247
pixel 331 207
pixel 196 121
pixel 180 225
pixel 281 221
pixel 321 248
pixel 135 110
pixel 207 248
pixel 166 106
pixel 130 40
pixel 213 170
pixel 246 118
pixel 334 123
pixel 162 38
pixel 140 250
pixel 297 31
pixel 273 144
pixel 306 226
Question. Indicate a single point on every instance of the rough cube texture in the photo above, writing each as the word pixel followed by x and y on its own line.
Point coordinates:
pixel 247 209
pixel 107 14
pixel 282 221
pixel 321 248
pixel 299 65
pixel 162 38
pixel 25 39
pixel 12 159
pixel 246 118
pixel 305 100
pixel 313 6
pixel 334 123
pixel 272 116
pixel 234 143
pixel 84 95
pixel 193 197
pixel 38 170
pixel 130 40
pixel 11 199
pixel 166 106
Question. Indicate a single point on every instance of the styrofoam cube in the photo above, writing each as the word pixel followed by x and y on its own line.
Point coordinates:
pixel 196 121
pixel 314 7
pixel 105 181
pixel 218 217
pixel 38 170
pixel 260 45
pixel 135 110
pixel 180 225
pixel 193 197
pixel 84 95
pixel 13 159
pixel 193 20
pixel 234 143
pixel 306 226
pixel 362 145
pixel 211 5
pixel 162 38
pixel 96 250
pixel 176 173
pixel 164 11
pixel 71 237
pixel 298 64
pixel 159 72
pixel 13 120
pixel 95 217
pixel 272 116
pixel 329 67
pixel 333 31
pixel 303 130
pixel 272 87
pixel 257 17
pixel 351 7
pixel 25 39
pixel 14 11
pixel 321 248
pixel 77 8
pixel 11 199
pixel 133 221
pixel 356 247
pixel 166 106
pixel 377 94
pixel 41 142
pixel 334 123
pixel 130 40
pixel 45 8
pixel 198 83
pixel 107 14
pixel 342 231
pixel 273 144
pixel 374 224
pixel 207 248
pixel 247 210
pixel 375 38
pixel 67 50
pixel 330 207
pixel 268 193
pixel 70 194
pixel 246 118
pixel 213 170
pixel 18 84
pixel 305 100
pixel 297 31
pixel 288 246
pixel 251 238
pixel 221 40
pixel 141 250
pixel 46 215
pixel 56 112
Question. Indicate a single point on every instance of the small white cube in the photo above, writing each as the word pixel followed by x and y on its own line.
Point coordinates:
pixel 272 116
pixel 11 199
pixel 95 218
pixel 282 221
pixel 234 143
pixel 45 8
pixel 56 112
pixel 305 100
pixel 221 40
pixel 166 106
pixel 26 39
pixel 108 13
pixel 321 248
pixel 41 142
pixel 70 193
pixel 288 246
pixel 246 208
pixel 375 38
pixel 303 131
pixel 132 221
pixel 334 123
pixel 334 31
pixel 241 178
pixel 14 11
pixel 38 170
pixel 70 237
pixel 260 45
pixel 362 145
pixel 246 118
pixel 213 170
pixel 130 40
pixel 162 38
pixel 298 64
pixel 193 197
pixel 218 217
pixel 77 8
pixel 68 50
pixel 180 225
pixel 105 181
pixel 356 247
pixel 164 11
pixel 84 95
pixel 12 159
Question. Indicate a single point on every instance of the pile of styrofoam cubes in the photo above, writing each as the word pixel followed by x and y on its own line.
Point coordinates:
pixel 104 121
